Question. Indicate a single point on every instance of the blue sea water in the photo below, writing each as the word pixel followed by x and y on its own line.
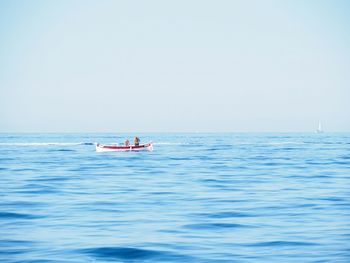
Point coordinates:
pixel 239 197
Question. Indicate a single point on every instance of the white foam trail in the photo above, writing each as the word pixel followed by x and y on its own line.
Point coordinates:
pixel 42 143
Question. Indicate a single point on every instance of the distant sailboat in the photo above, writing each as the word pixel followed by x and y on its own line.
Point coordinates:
pixel 319 129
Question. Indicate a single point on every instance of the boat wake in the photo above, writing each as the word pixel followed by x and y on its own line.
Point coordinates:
pixel 44 143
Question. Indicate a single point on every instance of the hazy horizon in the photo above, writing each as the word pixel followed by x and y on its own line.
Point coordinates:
pixel 183 66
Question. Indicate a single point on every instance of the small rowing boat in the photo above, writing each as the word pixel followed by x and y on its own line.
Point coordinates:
pixel 118 148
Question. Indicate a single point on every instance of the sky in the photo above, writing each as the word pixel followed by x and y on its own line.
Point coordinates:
pixel 174 66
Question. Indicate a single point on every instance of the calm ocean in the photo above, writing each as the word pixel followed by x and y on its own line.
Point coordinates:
pixel 240 197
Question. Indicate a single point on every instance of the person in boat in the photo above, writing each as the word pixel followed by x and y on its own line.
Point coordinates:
pixel 126 143
pixel 137 141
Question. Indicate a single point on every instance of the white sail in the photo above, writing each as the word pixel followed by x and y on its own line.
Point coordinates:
pixel 319 129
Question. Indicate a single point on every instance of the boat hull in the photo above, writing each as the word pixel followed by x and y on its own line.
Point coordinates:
pixel 116 148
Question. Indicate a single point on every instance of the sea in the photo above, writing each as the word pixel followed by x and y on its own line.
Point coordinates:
pixel 197 197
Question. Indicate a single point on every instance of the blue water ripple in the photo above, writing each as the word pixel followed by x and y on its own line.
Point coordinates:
pixel 216 197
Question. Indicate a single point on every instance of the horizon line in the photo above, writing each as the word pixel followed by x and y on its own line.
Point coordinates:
pixel 199 132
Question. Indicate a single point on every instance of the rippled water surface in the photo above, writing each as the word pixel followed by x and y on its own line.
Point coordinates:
pixel 194 198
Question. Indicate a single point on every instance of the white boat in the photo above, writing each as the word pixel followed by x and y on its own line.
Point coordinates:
pixel 319 129
pixel 117 148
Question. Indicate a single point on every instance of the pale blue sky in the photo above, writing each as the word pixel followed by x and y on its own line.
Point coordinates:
pixel 125 66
